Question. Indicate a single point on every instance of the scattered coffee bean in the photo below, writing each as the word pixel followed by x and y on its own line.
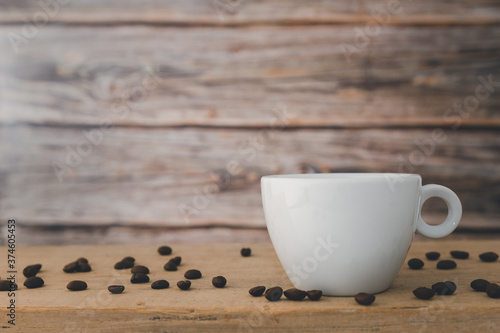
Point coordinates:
pixel 176 260
pixel 33 282
pixel 479 284
pixel 192 274
pixel 246 252
pixel 415 263
pixel 314 295
pixel 139 278
pixel 424 293
pixel 488 256
pixel 493 290
pixel 165 250
pixel 257 291
pixel 170 266
pixel 273 294
pixel 77 285
pixel 71 267
pixel 219 281
pixel 77 266
pixel 459 254
pixel 120 265
pixel 446 264
pixel 139 269
pixel 83 267
pixel 432 255
pixel 444 288
pixel 31 270
pixel 160 284
pixel 184 285
pixel 364 298
pixel 295 294
pixel 6 285
pixel 127 262
pixel 116 289
pixel 82 261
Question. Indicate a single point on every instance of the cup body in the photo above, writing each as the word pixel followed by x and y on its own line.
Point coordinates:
pixel 341 233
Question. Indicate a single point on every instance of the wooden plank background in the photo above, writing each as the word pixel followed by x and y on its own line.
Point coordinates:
pixel 123 113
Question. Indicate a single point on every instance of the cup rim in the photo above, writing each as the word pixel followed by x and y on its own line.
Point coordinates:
pixel 339 176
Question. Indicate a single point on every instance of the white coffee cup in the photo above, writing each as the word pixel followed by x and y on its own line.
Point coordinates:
pixel 349 233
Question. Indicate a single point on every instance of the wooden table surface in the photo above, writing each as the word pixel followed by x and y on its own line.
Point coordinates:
pixel 139 308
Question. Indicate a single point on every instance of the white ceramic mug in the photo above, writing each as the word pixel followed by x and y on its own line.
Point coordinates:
pixel 349 233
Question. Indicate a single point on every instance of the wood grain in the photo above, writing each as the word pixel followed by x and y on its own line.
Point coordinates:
pixel 205 308
pixel 244 12
pixel 404 77
pixel 144 176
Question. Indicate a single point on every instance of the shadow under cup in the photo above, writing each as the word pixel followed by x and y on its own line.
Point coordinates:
pixel 345 233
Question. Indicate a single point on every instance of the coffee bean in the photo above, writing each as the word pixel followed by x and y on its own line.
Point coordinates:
pixel 77 285
pixel 83 267
pixel 165 250
pixel 6 285
pixel 424 293
pixel 295 294
pixel 314 295
pixel 71 267
pixel 128 262
pixel 184 285
pixel 120 265
pixel 170 266
pixel 116 289
pixel 139 278
pixel 446 264
pixel 488 256
pixel 219 281
pixel 415 263
pixel 82 261
pixel 364 298
pixel 176 260
pixel 257 291
pixel 493 290
pixel 31 270
pixel 192 274
pixel 273 294
pixel 33 282
pixel 139 269
pixel 479 284
pixel 246 252
pixel 459 254
pixel 160 284
pixel 432 255
pixel 444 288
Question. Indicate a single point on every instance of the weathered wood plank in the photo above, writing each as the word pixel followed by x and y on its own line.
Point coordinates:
pixel 472 227
pixel 240 12
pixel 194 176
pixel 231 309
pixel 405 76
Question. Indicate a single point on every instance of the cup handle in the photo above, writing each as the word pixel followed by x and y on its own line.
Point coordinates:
pixel 454 211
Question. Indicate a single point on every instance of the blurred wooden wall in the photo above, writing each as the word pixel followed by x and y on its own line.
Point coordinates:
pixel 140 115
